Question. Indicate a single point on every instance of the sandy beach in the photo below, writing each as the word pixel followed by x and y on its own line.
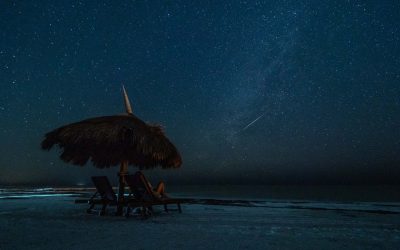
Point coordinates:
pixel 58 223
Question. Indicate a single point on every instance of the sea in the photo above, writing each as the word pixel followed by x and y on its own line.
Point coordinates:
pixel 323 193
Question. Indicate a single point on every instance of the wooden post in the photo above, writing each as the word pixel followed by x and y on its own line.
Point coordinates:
pixel 123 170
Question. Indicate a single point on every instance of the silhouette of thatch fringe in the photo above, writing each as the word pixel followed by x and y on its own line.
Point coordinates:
pixel 109 140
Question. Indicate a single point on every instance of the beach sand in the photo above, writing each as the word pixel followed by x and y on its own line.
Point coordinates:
pixel 57 223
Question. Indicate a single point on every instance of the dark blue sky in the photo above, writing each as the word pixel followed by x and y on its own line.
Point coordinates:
pixel 323 75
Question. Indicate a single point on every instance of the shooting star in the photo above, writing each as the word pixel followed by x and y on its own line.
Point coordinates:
pixel 251 123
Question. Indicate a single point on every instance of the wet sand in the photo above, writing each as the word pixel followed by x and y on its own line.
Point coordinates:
pixel 59 223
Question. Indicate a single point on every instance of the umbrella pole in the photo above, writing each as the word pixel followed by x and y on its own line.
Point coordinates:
pixel 123 170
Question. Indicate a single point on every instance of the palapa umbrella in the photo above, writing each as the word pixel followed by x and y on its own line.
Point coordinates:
pixel 114 140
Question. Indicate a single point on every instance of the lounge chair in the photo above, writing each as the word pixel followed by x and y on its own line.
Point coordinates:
pixel 142 196
pixel 106 193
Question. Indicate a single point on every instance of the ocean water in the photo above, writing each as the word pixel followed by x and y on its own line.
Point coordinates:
pixel 382 193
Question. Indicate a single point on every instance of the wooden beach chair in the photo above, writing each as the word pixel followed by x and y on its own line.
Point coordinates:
pixel 142 196
pixel 104 195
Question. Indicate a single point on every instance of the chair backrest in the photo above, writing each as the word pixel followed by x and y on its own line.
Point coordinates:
pixel 104 188
pixel 140 187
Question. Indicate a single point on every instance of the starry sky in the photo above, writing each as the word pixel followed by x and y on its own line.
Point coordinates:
pixel 269 92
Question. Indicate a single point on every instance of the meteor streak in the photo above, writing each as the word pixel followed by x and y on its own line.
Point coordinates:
pixel 251 123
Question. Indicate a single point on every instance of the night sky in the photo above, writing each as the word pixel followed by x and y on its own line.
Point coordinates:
pixel 249 91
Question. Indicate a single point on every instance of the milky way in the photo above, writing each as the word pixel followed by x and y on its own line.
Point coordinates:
pixel 324 76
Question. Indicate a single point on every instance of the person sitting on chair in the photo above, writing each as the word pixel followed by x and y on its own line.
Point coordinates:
pixel 159 191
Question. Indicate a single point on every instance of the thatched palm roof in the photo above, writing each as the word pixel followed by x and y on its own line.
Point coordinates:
pixel 107 141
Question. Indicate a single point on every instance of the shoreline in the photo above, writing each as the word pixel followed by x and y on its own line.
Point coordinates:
pixel 325 193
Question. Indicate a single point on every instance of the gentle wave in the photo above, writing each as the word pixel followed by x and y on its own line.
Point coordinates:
pixel 26 193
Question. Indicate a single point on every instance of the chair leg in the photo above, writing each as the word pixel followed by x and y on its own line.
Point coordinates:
pixel 179 208
pixel 143 212
pixel 103 209
pixel 146 212
pixel 89 210
pixel 149 211
pixel 128 211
